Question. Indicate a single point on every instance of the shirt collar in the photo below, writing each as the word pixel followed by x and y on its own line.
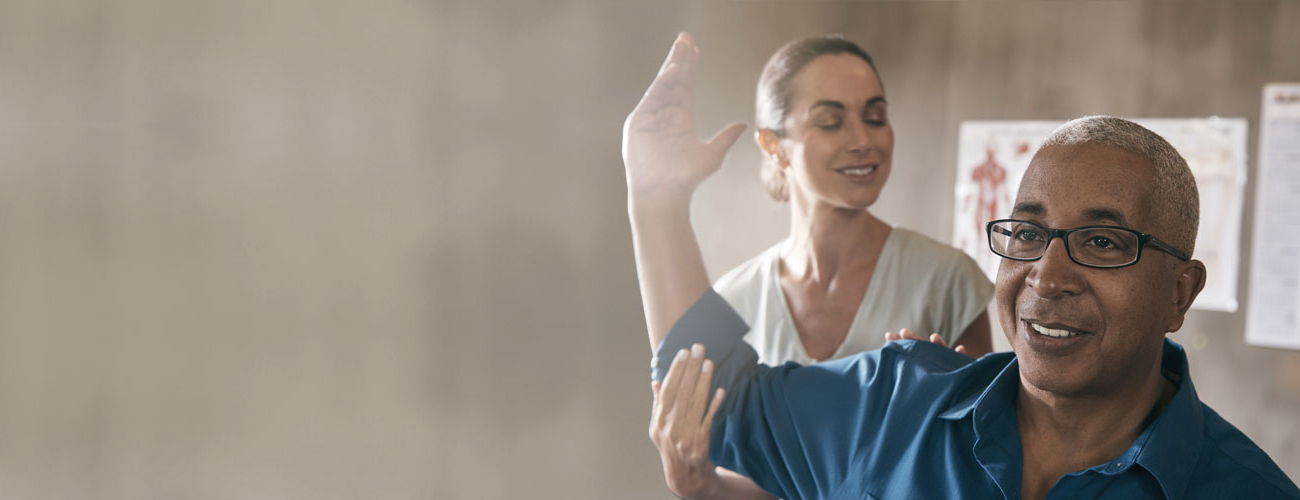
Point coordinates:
pixel 1168 448
pixel 1171 450
pixel 1000 391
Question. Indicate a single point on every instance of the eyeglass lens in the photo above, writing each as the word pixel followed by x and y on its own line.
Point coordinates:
pixel 1090 246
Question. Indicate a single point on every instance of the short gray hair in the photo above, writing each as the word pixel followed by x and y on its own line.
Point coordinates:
pixel 1175 193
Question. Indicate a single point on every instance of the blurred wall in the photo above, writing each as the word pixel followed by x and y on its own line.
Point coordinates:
pixel 298 249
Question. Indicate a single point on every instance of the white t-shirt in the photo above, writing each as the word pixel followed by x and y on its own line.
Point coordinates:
pixel 918 284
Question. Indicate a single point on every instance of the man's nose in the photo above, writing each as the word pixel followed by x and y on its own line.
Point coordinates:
pixel 1055 274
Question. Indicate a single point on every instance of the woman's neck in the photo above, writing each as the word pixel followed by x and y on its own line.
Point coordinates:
pixel 824 240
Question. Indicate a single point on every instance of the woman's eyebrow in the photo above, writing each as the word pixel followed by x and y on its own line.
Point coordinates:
pixel 827 102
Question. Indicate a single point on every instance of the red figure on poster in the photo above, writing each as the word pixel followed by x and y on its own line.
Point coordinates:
pixel 989 176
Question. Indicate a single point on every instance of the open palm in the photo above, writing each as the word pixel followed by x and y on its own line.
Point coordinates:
pixel 661 149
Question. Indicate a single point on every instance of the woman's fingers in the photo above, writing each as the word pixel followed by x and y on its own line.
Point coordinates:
pixel 656 387
pixel 668 393
pixel 937 339
pixel 655 415
pixel 690 374
pixel 700 393
pixel 707 424
pixel 909 335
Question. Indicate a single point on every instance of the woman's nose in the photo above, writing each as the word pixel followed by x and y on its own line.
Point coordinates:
pixel 859 137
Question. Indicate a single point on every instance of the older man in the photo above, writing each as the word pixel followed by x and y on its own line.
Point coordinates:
pixel 1094 401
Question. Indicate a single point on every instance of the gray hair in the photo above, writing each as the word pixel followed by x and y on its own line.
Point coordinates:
pixel 1175 193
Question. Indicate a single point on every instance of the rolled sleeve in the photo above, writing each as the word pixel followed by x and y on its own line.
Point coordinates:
pixel 710 321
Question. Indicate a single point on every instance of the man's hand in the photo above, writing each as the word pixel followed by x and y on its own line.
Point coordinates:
pixel 661 151
pixel 906 334
pixel 680 424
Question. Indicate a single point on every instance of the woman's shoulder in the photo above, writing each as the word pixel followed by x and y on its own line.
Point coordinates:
pixel 747 278
pixel 918 248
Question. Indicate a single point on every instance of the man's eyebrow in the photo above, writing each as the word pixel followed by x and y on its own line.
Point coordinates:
pixel 1092 215
pixel 880 99
pixel 1030 208
pixel 1106 214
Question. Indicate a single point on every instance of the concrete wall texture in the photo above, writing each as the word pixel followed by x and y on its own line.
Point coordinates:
pixel 297 249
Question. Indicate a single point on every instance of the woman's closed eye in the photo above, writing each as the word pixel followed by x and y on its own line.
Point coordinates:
pixel 831 122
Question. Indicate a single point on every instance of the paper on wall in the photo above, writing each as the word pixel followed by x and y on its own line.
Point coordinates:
pixel 1274 291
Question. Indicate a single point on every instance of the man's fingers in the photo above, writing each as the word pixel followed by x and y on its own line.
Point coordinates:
pixel 675 74
pixel 961 349
pixel 725 138
pixel 683 45
pixel 713 408
pixel 892 336
pixel 907 334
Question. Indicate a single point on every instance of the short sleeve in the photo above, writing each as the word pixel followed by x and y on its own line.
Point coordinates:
pixel 965 296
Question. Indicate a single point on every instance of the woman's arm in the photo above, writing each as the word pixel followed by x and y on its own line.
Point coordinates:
pixel 665 163
pixel 978 337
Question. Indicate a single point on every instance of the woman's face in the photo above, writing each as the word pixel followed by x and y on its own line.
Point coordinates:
pixel 838 144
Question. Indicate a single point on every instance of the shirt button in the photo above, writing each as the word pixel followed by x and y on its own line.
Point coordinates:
pixel 654 362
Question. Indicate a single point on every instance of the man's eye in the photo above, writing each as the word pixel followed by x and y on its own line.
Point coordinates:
pixel 829 125
pixel 875 121
pixel 1028 235
pixel 1103 243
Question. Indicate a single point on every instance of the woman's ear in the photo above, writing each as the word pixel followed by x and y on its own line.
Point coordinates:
pixel 770 145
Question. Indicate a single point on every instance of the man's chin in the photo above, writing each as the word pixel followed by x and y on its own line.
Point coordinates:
pixel 1049 373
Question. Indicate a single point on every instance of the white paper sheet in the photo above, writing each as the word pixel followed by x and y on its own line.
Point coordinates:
pixel 993 155
pixel 1271 318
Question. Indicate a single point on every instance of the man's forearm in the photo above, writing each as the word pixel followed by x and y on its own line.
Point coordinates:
pixel 668 261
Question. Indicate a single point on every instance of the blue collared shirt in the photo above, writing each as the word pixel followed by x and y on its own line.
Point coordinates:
pixel 917 420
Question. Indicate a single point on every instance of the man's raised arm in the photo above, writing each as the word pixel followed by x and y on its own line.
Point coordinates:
pixel 665 163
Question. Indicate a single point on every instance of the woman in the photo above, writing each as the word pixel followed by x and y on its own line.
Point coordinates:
pixel 842 277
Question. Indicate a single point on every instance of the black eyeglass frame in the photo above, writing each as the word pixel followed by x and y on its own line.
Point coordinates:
pixel 1143 239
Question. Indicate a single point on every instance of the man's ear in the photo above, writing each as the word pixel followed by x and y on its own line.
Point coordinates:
pixel 1190 282
pixel 770 144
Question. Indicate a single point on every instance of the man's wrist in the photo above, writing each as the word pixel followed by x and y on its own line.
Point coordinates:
pixel 658 201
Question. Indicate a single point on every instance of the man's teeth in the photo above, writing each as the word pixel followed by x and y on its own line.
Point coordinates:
pixel 859 171
pixel 1053 332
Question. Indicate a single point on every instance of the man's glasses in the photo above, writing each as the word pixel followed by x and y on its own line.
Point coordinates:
pixel 1092 246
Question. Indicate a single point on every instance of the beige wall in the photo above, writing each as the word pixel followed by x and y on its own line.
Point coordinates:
pixel 379 250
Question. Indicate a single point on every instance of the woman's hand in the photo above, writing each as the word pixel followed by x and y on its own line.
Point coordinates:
pixel 661 151
pixel 680 424
pixel 906 334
